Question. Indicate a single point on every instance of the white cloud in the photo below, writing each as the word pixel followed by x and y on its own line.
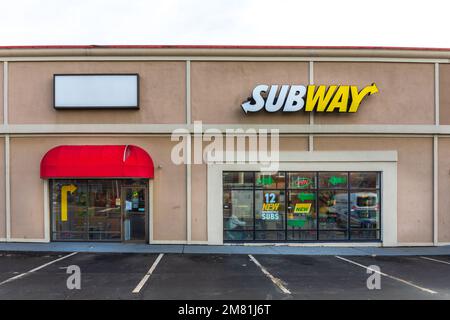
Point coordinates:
pixel 237 22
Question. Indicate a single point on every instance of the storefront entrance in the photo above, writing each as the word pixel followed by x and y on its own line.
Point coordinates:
pixel 134 214
pixel 99 210
pixel 98 192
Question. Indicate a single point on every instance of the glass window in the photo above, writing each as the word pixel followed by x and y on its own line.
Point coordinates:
pixel 104 210
pixel 70 214
pixel 300 235
pixel 302 206
pixel 333 210
pixel 233 235
pixel 361 180
pixel 365 209
pixel 364 234
pixel 302 180
pixel 270 235
pixel 269 209
pixel 238 179
pixel 332 235
pixel 89 210
pixel 301 211
pixel 270 180
pixel 238 209
pixel 333 180
pixel 134 226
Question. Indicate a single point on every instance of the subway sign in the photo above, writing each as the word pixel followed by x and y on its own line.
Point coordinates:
pixel 312 98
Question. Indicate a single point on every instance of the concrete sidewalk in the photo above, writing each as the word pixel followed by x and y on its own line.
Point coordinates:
pixel 225 249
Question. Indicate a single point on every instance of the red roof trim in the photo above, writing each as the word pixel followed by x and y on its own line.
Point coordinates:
pixel 219 47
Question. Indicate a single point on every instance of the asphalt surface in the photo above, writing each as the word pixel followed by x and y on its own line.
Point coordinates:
pixel 221 276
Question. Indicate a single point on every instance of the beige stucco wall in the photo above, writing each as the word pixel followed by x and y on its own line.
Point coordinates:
pixel 2 164
pixel 294 143
pixel 27 217
pixel 444 190
pixel 406 92
pixel 199 225
pixel 414 184
pixel 2 189
pixel 162 92
pixel 219 88
pixel 1 91
pixel 444 94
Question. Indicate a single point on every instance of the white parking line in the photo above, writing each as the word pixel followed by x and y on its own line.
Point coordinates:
pixel 389 276
pixel 148 274
pixel 436 260
pixel 36 269
pixel 276 281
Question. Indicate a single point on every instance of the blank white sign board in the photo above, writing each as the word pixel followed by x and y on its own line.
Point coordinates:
pixel 96 91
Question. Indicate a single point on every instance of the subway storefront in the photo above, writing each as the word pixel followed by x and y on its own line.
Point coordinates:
pixel 98 193
pixel 225 145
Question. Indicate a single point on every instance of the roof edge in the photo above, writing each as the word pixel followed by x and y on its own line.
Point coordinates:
pixel 138 46
pixel 223 50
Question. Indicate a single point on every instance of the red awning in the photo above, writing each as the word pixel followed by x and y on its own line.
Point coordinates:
pixel 92 161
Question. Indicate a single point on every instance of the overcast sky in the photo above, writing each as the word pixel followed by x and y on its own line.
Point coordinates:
pixel 226 22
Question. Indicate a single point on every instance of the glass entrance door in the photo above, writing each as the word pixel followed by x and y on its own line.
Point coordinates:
pixel 134 210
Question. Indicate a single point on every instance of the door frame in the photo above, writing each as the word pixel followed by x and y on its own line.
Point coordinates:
pixel 150 211
pixel 147 213
pixel 47 193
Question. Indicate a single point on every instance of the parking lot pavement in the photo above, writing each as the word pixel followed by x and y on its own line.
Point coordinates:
pixel 103 276
pixel 222 276
pixel 421 271
pixel 440 259
pixel 192 276
pixel 327 277
pixel 14 263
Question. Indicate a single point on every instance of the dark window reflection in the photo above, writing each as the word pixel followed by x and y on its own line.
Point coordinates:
pixel 301 206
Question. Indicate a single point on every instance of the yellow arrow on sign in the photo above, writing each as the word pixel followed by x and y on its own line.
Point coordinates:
pixel 64 189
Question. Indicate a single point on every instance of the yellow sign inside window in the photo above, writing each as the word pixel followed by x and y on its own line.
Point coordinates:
pixel 64 191
pixel 270 206
pixel 302 208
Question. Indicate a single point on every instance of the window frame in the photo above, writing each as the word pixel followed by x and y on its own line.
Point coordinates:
pixel 316 190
